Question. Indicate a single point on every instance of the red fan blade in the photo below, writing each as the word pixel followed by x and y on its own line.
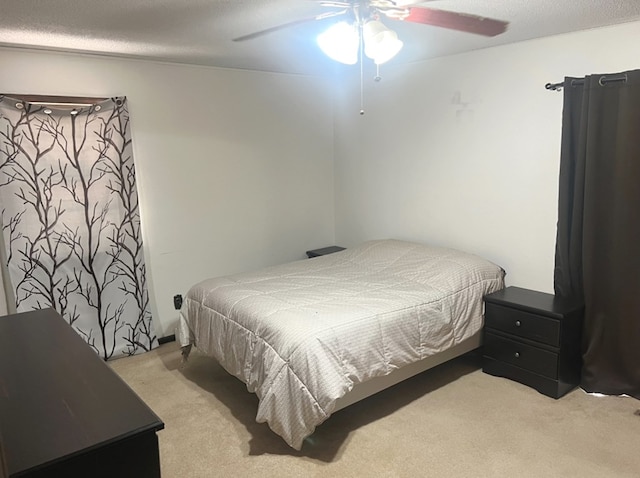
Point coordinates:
pixel 290 24
pixel 457 21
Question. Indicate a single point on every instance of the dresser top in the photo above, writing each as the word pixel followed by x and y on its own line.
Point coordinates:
pixel 58 398
pixel 534 301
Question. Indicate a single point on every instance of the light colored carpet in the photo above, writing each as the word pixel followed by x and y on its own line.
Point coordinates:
pixel 452 421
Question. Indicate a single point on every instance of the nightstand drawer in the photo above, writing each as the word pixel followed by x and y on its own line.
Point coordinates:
pixel 523 324
pixel 521 355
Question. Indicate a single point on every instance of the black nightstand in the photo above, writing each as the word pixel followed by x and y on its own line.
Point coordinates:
pixel 324 251
pixel 533 338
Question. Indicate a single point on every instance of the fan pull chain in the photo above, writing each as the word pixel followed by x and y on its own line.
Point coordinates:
pixel 377 78
pixel 361 72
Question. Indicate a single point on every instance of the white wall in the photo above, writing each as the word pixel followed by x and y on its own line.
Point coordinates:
pixel 234 168
pixel 464 151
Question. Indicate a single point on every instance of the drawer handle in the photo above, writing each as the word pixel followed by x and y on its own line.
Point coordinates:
pixel 517 354
pixel 518 324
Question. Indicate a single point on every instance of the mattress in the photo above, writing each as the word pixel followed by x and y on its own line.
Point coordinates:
pixel 302 334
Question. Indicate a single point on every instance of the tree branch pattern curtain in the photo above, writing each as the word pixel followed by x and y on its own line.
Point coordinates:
pixel 598 238
pixel 70 220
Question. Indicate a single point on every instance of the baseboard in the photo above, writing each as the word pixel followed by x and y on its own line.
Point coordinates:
pixel 168 338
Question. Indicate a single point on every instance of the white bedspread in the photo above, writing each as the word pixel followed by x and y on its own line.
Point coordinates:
pixel 300 335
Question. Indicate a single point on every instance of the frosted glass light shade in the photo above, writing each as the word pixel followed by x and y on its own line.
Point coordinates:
pixel 341 42
pixel 380 43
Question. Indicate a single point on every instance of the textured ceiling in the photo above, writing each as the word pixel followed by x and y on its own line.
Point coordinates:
pixel 201 31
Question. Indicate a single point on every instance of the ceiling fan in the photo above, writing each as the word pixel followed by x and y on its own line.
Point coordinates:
pixel 362 32
pixel 361 11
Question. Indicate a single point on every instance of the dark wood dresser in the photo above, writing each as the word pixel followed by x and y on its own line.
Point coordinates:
pixel 533 338
pixel 63 411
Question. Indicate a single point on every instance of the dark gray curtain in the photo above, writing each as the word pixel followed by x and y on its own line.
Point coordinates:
pixel 598 237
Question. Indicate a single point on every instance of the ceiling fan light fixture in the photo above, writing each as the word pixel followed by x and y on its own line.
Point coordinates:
pixel 341 42
pixel 381 44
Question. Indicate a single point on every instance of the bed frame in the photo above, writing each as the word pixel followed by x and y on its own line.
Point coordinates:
pixel 360 391
pixel 365 389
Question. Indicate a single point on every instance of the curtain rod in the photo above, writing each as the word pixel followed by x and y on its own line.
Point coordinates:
pixel 580 81
pixel 58 100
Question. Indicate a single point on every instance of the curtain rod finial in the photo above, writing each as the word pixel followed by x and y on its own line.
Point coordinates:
pixel 553 86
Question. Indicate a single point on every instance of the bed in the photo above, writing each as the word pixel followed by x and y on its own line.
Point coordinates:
pixel 312 336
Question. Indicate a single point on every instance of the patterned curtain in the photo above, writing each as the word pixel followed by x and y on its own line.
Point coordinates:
pixel 70 220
